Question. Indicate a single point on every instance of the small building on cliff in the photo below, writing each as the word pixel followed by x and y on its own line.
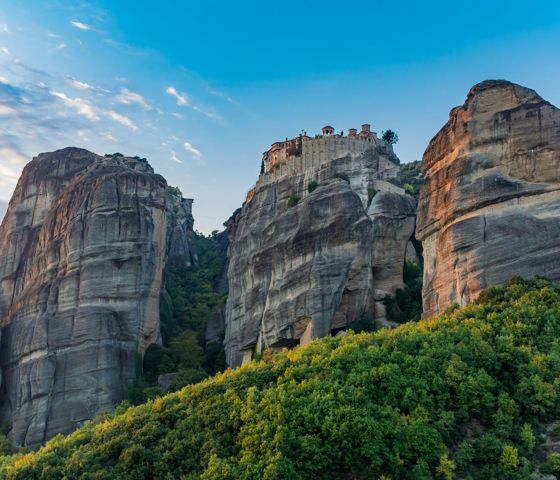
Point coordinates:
pixel 321 148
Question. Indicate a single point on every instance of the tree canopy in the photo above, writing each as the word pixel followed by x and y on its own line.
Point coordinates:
pixel 467 394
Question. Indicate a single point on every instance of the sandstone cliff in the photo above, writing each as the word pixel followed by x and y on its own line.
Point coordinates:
pixel 490 205
pixel 83 249
pixel 304 264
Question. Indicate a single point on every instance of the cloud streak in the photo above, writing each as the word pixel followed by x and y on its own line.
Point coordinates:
pixel 181 98
pixel 128 97
pixel 194 151
pixel 82 106
pixel 80 25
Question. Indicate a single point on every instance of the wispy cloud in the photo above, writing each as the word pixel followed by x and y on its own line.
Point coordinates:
pixel 123 120
pixel 128 97
pixel 82 106
pixel 217 93
pixel 6 111
pixel 4 28
pixel 206 113
pixel 5 51
pixel 174 157
pixel 80 85
pixel 108 136
pixel 181 98
pixel 194 151
pixel 80 25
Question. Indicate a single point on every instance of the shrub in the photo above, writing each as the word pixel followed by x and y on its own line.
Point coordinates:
pixel 371 192
pixel 364 323
pixel 552 464
pixel 408 188
pixel 312 186
pixel 293 200
pixel 407 303
pixel 343 176
pixel 175 191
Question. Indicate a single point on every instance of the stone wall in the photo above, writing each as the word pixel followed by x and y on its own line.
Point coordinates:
pixel 319 152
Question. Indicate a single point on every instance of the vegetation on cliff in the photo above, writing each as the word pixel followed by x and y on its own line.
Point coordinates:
pixel 192 297
pixel 465 394
pixel 406 305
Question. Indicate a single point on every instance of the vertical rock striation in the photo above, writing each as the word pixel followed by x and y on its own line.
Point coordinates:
pixel 301 269
pixel 490 205
pixel 82 253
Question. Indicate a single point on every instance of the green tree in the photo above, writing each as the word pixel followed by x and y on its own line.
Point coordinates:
pixel 390 137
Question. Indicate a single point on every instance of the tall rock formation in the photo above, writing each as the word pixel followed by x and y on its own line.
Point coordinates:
pixel 490 205
pixel 305 262
pixel 83 248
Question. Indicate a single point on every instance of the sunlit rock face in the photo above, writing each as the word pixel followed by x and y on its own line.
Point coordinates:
pixel 490 205
pixel 304 269
pixel 82 250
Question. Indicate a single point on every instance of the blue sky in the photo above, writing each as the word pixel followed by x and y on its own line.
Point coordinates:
pixel 202 88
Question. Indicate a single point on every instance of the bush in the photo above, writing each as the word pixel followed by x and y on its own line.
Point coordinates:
pixel 312 186
pixel 371 192
pixel 552 464
pixel 343 176
pixel 407 304
pixel 364 323
pixel 293 200
pixel 175 191
pixel 408 188
pixel 187 376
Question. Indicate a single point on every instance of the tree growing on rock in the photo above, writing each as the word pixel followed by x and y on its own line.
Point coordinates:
pixel 390 137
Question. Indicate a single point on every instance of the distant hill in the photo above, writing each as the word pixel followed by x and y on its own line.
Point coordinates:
pixel 473 393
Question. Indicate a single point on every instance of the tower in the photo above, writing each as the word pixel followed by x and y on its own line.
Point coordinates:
pixel 328 130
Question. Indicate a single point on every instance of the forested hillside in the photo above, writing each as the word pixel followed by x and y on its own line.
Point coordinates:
pixel 470 394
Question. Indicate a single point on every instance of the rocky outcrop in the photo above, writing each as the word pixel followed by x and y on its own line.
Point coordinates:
pixel 490 205
pixel 304 264
pixel 3 208
pixel 180 222
pixel 83 250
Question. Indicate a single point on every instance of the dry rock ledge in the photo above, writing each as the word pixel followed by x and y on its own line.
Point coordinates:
pixel 490 205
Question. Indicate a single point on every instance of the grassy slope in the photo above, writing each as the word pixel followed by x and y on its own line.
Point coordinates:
pixel 464 394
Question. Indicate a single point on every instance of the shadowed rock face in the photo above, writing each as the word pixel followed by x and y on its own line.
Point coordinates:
pixel 82 253
pixel 490 205
pixel 300 272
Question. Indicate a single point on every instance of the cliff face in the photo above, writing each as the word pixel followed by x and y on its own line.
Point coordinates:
pixel 490 205
pixel 302 269
pixel 83 248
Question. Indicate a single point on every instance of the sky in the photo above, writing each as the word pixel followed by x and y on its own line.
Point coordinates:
pixel 202 88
